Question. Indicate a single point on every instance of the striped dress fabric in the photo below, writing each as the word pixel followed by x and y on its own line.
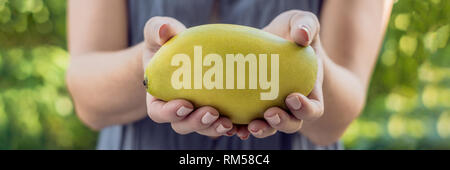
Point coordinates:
pixel 148 135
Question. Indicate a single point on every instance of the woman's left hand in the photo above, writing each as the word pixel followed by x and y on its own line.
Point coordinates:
pixel 302 28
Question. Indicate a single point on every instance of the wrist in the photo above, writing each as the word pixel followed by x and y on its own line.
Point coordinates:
pixel 138 63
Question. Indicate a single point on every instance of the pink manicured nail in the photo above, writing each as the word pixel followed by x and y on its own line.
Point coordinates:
pixel 183 111
pixel 229 133
pixel 294 102
pixel 222 129
pixel 307 36
pixel 244 137
pixel 274 120
pixel 209 118
pixel 163 29
pixel 258 133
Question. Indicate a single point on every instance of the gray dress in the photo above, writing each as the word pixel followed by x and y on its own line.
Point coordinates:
pixel 146 134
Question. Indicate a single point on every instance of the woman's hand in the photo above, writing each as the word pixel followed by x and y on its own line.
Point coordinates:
pixel 179 113
pixel 302 28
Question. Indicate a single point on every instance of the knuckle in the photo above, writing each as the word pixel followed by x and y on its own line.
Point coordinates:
pixel 294 11
pixel 286 128
pixel 297 127
pixel 293 129
pixel 156 118
pixel 177 129
pixel 297 114
pixel 272 132
pixel 314 18
pixel 153 20
pixel 152 116
pixel 148 26
pixel 198 125
pixel 310 15
pixel 260 136
pixel 223 120
pixel 151 25
pixel 208 109
pixel 320 112
pixel 273 109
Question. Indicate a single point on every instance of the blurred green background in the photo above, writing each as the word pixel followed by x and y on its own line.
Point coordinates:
pixel 408 105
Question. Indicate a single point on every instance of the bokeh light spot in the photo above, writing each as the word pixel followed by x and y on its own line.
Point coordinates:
pixel 42 15
pixel 442 36
pixel 430 96
pixel 402 21
pixel 401 100
pixel 63 106
pixel 352 133
pixel 396 126
pixel 389 57
pixel 433 74
pixel 436 1
pixel 443 125
pixel 430 42
pixel 3 4
pixel 5 15
pixel 434 96
pixel 408 44
pixel 25 6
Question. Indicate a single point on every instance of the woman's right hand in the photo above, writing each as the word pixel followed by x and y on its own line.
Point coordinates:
pixel 179 113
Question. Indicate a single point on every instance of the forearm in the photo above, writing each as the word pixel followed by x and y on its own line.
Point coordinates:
pixel 344 98
pixel 351 35
pixel 107 87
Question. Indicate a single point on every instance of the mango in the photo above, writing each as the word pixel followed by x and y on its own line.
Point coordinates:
pixel 241 71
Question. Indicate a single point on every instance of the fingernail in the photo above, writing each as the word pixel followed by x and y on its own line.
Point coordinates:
pixel 294 102
pixel 183 111
pixel 163 29
pixel 307 34
pixel 244 137
pixel 222 129
pixel 258 133
pixel 229 133
pixel 274 120
pixel 209 118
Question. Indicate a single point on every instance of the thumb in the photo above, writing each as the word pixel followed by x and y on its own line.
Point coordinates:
pixel 158 30
pixel 305 28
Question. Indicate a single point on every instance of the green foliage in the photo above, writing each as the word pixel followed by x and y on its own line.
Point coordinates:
pixel 36 111
pixel 408 102
pixel 407 105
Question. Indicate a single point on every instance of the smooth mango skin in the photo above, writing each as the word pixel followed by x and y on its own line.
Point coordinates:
pixel 297 69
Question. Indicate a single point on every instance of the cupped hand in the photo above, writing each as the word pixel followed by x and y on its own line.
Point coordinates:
pixel 179 113
pixel 302 28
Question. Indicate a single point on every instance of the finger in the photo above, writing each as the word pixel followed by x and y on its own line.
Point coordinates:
pixel 222 126
pixel 304 27
pixel 278 119
pixel 242 132
pixel 232 132
pixel 159 30
pixel 260 129
pixel 301 27
pixel 201 118
pixel 304 108
pixel 280 25
pixel 164 112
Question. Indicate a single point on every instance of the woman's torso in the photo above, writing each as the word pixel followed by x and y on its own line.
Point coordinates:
pixel 146 134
